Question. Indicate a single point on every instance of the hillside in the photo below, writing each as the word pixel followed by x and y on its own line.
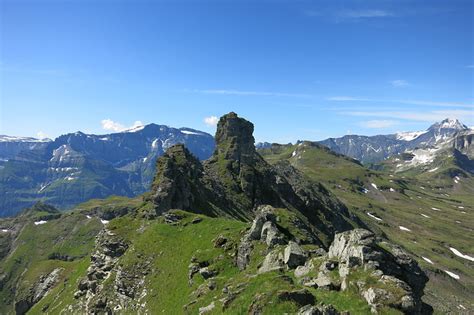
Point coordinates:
pixel 426 209
pixel 233 234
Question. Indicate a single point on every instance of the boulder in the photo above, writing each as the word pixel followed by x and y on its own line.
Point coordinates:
pixel 355 247
pixel 302 271
pixel 294 255
pixel 272 262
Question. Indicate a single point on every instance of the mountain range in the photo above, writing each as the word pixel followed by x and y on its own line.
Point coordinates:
pixel 76 167
pixel 375 149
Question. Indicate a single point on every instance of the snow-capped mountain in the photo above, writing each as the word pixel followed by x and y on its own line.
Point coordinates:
pixel 11 146
pixel 377 148
pixel 77 167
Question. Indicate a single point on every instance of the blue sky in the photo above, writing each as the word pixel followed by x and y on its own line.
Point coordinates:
pixel 297 69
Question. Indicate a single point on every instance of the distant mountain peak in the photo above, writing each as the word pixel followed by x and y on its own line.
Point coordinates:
pixel 449 123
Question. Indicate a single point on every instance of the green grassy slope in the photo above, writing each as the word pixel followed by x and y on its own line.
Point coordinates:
pixel 400 199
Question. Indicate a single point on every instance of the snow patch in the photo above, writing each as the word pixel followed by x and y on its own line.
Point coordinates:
pixel 104 221
pixel 293 154
pixel 452 274
pixel 433 170
pixel 392 190
pixel 187 132
pixel 88 216
pixel 404 228
pixel 459 254
pixel 409 136
pixel 365 190
pixel 425 216
pixel 5 230
pixel 373 216
pixel 375 186
pixel 435 209
pixel 40 222
pixel 427 260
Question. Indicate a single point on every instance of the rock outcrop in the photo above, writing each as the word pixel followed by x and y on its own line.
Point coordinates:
pixel 38 291
pixel 400 280
pixel 176 184
pixel 236 180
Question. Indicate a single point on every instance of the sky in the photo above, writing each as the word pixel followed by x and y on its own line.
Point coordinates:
pixel 296 69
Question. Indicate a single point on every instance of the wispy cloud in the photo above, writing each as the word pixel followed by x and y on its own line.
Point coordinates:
pixel 211 121
pixel 362 14
pixel 409 102
pixel 346 98
pixel 108 124
pixel 470 66
pixel 378 124
pixel 399 83
pixel 350 14
pixel 428 116
pixel 250 93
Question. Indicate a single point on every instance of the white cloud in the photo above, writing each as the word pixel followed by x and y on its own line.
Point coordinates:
pixel 250 93
pixel 211 121
pixel 399 83
pixel 361 14
pixel 378 124
pixel 108 124
pixel 41 135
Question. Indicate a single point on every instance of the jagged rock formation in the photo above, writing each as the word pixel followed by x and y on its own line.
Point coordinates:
pixel 38 291
pixel 236 180
pixel 94 296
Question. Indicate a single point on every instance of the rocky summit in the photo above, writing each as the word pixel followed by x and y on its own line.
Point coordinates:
pixel 233 234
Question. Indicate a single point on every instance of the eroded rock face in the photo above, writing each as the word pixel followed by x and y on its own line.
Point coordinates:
pixel 394 269
pixel 234 140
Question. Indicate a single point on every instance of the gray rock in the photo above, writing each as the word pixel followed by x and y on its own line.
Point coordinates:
pixel 318 310
pixel 271 235
pixel 272 262
pixel 294 255
pixel 207 309
pixel 207 273
pixel 243 253
pixel 354 247
pixel 302 271
pixel 324 281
